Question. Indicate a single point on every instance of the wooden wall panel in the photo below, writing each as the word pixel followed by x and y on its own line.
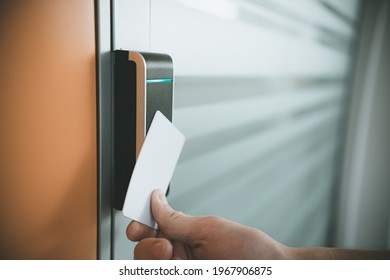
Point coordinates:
pixel 48 130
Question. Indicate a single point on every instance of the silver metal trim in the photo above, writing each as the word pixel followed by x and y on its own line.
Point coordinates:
pixel 104 126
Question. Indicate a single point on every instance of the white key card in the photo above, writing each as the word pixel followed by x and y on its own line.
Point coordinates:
pixel 154 168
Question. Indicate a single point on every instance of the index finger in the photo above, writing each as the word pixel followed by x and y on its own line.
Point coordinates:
pixel 136 231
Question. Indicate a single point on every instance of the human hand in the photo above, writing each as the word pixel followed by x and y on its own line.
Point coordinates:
pixel 191 237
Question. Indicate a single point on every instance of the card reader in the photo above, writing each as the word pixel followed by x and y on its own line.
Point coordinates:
pixel 143 85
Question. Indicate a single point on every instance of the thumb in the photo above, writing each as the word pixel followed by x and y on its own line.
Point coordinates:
pixel 173 224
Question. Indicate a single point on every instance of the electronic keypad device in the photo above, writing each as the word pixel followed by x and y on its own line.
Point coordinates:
pixel 143 85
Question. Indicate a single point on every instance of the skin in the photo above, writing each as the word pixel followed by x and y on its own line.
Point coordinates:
pixel 196 237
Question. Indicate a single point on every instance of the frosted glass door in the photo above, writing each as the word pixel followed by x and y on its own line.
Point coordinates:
pixel 261 91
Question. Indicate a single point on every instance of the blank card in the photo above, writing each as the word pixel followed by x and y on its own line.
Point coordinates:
pixel 154 168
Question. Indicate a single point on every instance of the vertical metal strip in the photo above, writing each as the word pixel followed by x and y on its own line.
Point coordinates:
pixel 104 126
pixel 130 31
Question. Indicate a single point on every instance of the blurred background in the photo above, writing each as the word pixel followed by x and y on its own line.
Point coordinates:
pixel 272 96
pixel 285 106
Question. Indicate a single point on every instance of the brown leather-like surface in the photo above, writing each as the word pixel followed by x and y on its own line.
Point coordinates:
pixel 48 130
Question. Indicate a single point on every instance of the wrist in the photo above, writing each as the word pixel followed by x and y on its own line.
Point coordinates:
pixel 286 252
pixel 271 249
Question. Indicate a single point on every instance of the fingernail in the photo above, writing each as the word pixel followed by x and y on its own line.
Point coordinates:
pixel 156 250
pixel 161 196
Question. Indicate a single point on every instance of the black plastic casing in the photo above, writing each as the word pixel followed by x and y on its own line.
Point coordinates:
pixel 128 120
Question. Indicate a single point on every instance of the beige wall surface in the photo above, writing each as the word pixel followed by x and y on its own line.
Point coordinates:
pixel 47 130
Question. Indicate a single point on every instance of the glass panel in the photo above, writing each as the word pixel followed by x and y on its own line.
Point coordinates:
pixel 260 94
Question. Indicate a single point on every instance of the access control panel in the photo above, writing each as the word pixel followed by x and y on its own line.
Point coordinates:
pixel 143 85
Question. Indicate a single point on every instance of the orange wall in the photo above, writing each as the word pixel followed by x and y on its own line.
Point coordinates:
pixel 47 130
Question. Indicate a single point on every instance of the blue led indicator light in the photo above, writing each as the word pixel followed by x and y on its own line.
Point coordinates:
pixel 158 81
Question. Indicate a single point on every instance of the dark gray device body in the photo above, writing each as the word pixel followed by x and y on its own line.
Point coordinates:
pixel 143 84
